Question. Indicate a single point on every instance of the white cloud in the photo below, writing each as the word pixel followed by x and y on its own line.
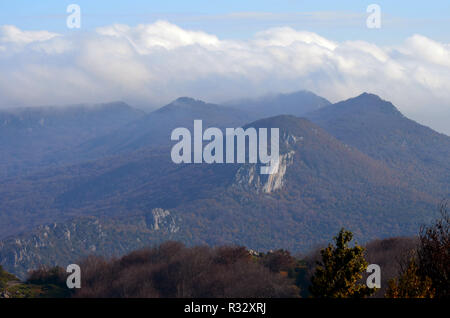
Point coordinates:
pixel 154 63
pixel 160 34
pixel 287 36
pixel 428 50
pixel 12 34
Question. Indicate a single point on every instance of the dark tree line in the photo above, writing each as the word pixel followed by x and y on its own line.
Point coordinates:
pixel 174 270
pixel 426 274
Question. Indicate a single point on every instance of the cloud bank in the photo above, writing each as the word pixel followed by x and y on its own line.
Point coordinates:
pixel 154 63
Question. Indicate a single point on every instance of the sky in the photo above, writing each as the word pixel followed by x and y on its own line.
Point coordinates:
pixel 150 52
pixel 339 20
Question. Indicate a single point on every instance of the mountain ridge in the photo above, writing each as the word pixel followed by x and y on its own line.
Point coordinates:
pixel 297 103
pixel 31 138
pixel 324 182
pixel 380 130
pixel 322 185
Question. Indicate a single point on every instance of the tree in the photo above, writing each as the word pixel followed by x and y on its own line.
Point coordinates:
pixel 339 272
pixel 278 261
pixel 410 284
pixel 5 277
pixel 433 254
pixel 174 270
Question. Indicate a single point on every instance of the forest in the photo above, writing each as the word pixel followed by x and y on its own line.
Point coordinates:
pixel 411 268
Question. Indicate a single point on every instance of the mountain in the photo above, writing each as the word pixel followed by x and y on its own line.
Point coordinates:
pixel 321 185
pixel 30 137
pixel 65 243
pixel 155 128
pixel 378 129
pixel 296 103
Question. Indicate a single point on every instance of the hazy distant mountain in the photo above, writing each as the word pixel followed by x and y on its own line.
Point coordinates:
pixel 155 128
pixel 30 136
pixel 322 185
pixel 378 129
pixel 297 104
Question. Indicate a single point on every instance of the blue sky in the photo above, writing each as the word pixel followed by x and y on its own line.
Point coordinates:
pixel 401 18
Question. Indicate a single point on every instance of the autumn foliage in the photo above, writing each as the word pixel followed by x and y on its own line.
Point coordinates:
pixel 173 270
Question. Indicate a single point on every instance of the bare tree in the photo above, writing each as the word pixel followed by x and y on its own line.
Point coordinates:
pixel 433 254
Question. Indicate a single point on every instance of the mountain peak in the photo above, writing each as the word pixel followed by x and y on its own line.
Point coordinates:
pixel 184 104
pixel 365 103
pixel 369 96
pixel 187 100
pixel 289 124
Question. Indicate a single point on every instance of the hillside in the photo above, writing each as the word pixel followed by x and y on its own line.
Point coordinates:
pixel 65 243
pixel 322 185
pixel 378 129
pixel 296 103
pixel 31 138
pixel 155 128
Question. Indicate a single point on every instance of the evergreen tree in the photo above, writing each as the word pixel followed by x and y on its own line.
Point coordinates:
pixel 340 271
pixel 410 284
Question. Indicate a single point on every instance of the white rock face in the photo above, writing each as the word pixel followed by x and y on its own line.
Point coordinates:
pixel 67 235
pixel 163 219
pixel 248 177
pixel 275 181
